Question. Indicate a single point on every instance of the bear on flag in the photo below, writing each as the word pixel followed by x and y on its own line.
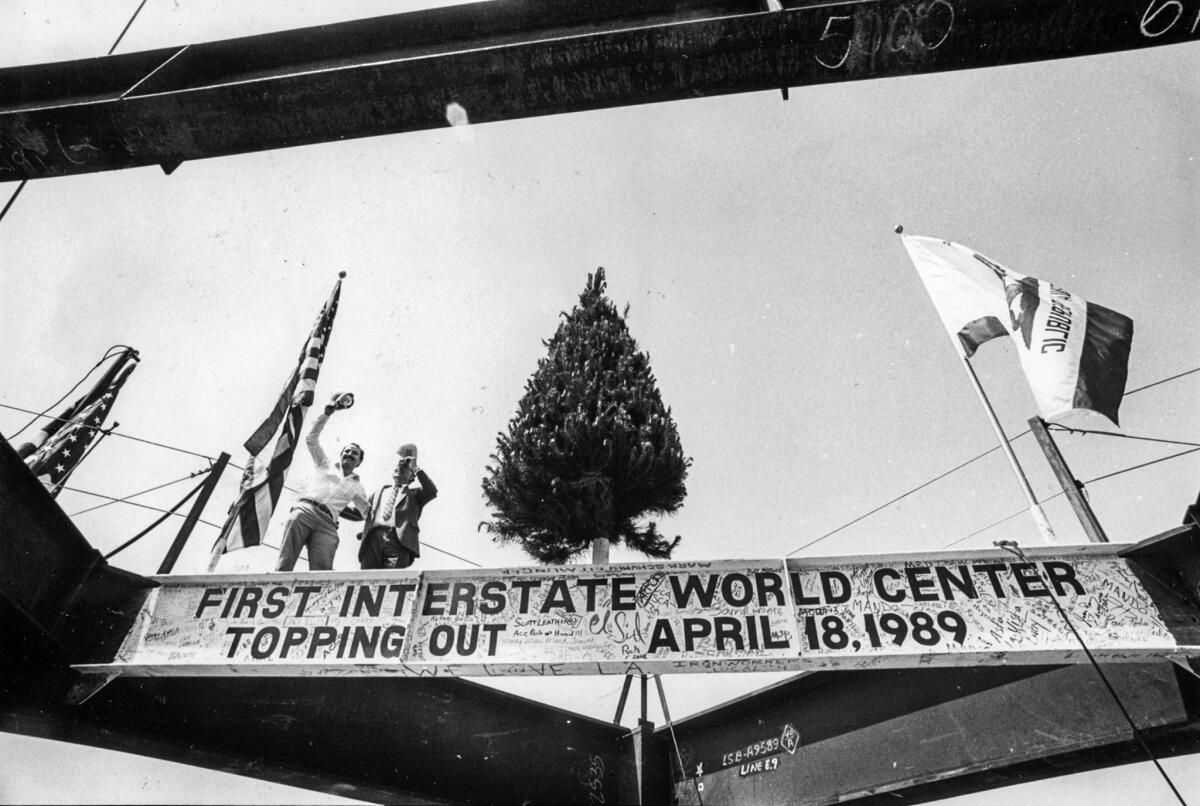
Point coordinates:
pixel 1075 353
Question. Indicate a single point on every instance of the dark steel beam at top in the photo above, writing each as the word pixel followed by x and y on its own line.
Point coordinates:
pixel 517 58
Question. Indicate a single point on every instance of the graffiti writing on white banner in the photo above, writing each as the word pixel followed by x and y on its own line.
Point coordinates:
pixel 644 612
pixel 980 605
pixel 311 621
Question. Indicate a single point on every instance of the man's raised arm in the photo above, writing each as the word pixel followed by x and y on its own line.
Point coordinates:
pixel 339 400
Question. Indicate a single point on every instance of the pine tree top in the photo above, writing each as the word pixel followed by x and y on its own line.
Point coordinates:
pixel 591 449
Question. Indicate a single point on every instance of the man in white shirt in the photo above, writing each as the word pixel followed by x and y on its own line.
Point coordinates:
pixel 313 521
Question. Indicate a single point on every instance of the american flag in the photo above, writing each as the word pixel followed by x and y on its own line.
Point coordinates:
pixel 261 486
pixel 58 448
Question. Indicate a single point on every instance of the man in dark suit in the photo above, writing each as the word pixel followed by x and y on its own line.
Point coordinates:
pixel 392 536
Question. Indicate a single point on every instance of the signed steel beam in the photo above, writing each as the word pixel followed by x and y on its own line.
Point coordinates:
pixel 508 59
pixel 912 736
pixel 819 738
pixel 934 609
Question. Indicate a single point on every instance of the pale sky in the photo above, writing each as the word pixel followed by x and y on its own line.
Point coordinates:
pixel 808 374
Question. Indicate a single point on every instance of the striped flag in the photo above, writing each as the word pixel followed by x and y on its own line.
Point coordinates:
pixel 261 486
pixel 54 453
pixel 1075 353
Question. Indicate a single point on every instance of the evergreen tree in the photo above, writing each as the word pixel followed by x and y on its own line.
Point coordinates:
pixel 591 449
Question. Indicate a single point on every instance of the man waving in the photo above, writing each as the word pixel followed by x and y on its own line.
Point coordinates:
pixel 313 521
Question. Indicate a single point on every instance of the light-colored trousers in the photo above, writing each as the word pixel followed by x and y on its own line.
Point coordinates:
pixel 309 527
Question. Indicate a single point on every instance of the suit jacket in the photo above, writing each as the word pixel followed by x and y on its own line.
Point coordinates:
pixel 411 499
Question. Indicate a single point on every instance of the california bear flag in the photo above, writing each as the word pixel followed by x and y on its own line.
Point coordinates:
pixel 1075 354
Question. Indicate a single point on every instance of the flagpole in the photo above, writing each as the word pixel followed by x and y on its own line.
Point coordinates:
pixel 260 499
pixel 214 475
pixel 217 553
pixel 1035 509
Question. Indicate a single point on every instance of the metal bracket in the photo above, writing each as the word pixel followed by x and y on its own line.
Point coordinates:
pixel 87 684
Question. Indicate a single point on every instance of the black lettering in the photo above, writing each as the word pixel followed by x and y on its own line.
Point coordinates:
pixel 441 638
pixel 275 602
pixel 435 594
pixel 402 590
pixel 947 578
pixel 525 586
pixel 768 641
pixel 729 629
pixel 305 591
pixel 769 583
pixel 466 647
pixel 1060 574
pixel 798 592
pixel 920 584
pixel 237 633
pixel 623 629
pixel 393 641
pixel 364 642
pixel 730 587
pixel 204 600
pixel 888 595
pixel 662 636
pixel 559 596
pixel 369 599
pixel 248 601
pixel 493 598
pixel 463 592
pixel 838 595
pixel 993 571
pixel 597 623
pixel 1028 580
pixel 493 631
pixel 694 629
pixel 590 586
pixel 323 637
pixel 260 649
pixel 623 593
pixel 229 603
pixel 294 637
pixel 691 586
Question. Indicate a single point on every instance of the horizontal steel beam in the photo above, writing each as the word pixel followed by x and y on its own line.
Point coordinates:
pixel 387 740
pixel 827 737
pixel 508 59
